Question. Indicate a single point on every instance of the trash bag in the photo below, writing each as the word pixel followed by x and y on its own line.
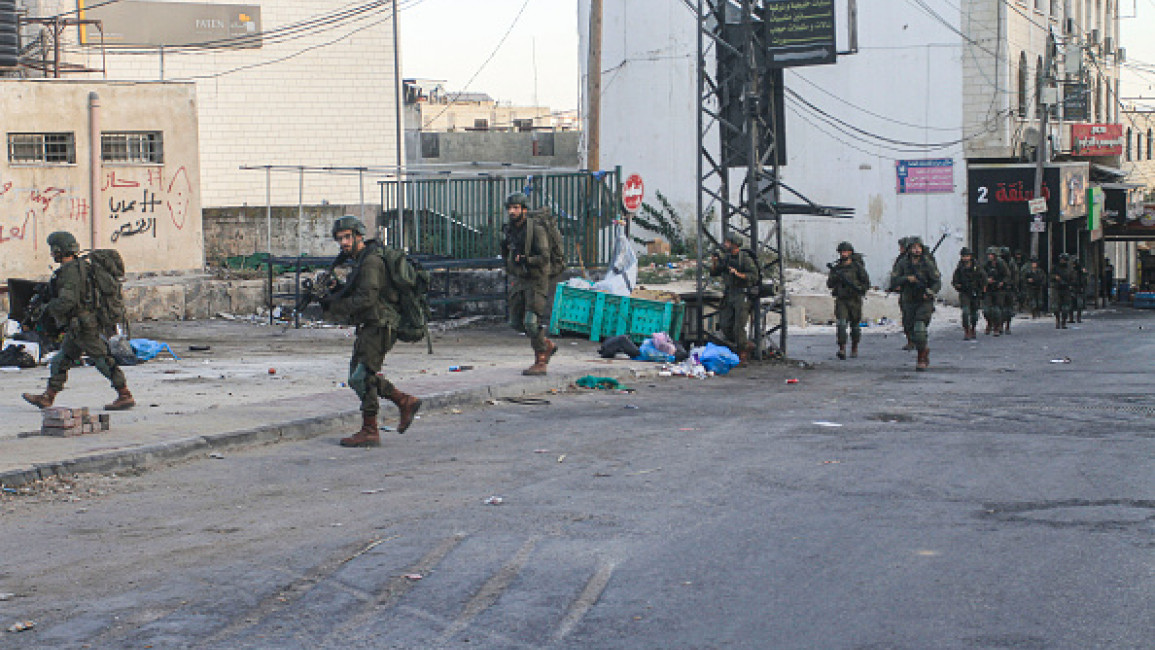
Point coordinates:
pixel 15 356
pixel 718 359
pixel 147 349
pixel 664 343
pixel 650 352
pixel 622 277
pixel 604 383
pixel 620 344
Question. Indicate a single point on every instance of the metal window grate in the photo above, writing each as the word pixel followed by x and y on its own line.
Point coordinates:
pixel 41 148
pixel 132 147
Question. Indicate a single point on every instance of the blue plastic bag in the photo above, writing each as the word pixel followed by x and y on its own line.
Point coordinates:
pixel 147 349
pixel 717 359
pixel 650 352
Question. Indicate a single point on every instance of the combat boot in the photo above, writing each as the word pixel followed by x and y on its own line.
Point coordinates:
pixel 909 345
pixel 1063 321
pixel 990 326
pixel 407 406
pixel 841 351
pixel 853 349
pixel 41 401
pixel 923 359
pixel 1079 317
pixel 123 402
pixel 550 349
pixel 540 361
pixel 1007 327
pixel 998 328
pixel 368 436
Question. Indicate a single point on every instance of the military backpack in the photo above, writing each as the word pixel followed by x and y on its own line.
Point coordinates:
pixel 556 265
pixel 411 282
pixel 105 289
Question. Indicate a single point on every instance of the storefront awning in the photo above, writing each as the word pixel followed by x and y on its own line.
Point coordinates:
pixel 1103 173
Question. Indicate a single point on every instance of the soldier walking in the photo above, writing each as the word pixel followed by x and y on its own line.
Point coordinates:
pixel 525 249
pixel 918 279
pixel 969 281
pixel 370 301
pixel 1062 282
pixel 72 308
pixel 1034 284
pixel 848 282
pixel 1009 291
pixel 739 272
pixel 997 277
pixel 1079 293
pixel 902 306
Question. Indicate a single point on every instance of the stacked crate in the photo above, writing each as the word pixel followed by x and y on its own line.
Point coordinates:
pixel 67 422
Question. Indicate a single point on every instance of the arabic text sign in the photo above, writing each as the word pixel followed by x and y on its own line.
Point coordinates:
pixel 800 32
pixel 933 176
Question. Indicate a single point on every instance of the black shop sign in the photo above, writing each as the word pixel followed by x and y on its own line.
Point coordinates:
pixel 1004 191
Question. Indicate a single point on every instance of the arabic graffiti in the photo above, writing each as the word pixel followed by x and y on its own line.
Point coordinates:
pixel 130 229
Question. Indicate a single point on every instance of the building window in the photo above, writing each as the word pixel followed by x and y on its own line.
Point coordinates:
pixel 1039 88
pixel 1149 142
pixel 523 125
pixel 41 148
pixel 430 145
pixel 1022 84
pixel 480 125
pixel 133 147
pixel 543 144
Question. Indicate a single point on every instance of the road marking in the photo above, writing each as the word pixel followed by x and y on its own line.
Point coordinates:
pixel 490 591
pixel 584 602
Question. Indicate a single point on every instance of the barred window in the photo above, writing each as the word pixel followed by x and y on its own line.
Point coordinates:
pixel 132 147
pixel 41 148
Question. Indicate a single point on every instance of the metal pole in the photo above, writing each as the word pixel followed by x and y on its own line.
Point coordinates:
pixel 1041 154
pixel 753 161
pixel 699 280
pixel 361 189
pixel 269 210
pixel 399 127
pixel 300 210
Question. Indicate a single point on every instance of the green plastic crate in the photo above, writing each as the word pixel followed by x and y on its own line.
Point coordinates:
pixel 601 315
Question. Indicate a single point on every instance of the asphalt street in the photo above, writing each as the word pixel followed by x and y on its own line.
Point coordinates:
pixel 1004 499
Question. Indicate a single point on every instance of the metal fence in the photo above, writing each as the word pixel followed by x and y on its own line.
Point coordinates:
pixel 461 217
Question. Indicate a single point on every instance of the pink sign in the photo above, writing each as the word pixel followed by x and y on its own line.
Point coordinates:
pixel 935 176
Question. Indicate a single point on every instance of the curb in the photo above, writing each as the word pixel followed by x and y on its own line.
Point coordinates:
pixel 173 451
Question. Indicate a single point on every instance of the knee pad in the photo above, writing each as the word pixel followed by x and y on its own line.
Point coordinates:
pixel 360 380
pixel 531 323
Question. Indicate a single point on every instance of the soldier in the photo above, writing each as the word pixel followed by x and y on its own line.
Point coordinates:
pixel 848 282
pixel 1034 283
pixel 1079 292
pixel 1062 282
pixel 894 268
pixel 525 248
pixel 1010 289
pixel 71 306
pixel 1021 266
pixel 969 281
pixel 997 277
pixel 366 301
pixel 918 279
pixel 1106 282
pixel 739 272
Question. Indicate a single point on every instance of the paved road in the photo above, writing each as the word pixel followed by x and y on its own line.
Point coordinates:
pixel 998 501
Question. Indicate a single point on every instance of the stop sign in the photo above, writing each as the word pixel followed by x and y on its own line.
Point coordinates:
pixel 633 190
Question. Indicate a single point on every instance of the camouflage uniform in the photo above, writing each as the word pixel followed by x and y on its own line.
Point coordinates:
pixel 1009 291
pixel 919 280
pixel 1063 280
pixel 1034 281
pixel 369 300
pixel 734 315
pixel 902 306
pixel 1079 297
pixel 998 276
pixel 848 282
pixel 969 281
pixel 529 281
pixel 72 308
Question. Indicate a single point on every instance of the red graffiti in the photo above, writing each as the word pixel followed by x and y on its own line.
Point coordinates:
pixel 15 232
pixel 179 197
pixel 44 198
pixel 78 210
pixel 156 177
pixel 112 181
pixel 5 187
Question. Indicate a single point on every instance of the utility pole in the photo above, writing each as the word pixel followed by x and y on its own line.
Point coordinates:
pixel 1041 153
pixel 594 88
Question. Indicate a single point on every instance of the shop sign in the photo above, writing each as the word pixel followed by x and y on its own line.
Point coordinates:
pixel 1005 191
pixel 1097 139
pixel 933 176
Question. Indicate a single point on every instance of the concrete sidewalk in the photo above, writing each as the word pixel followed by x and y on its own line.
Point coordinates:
pixel 261 384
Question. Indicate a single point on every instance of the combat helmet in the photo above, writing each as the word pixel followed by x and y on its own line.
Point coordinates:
pixel 348 222
pixel 845 246
pixel 735 238
pixel 914 239
pixel 992 250
pixel 63 243
pixel 1005 251
pixel 517 198
pixel 965 251
pixel 902 242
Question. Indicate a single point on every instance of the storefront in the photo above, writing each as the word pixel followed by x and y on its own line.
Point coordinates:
pixel 1129 231
pixel 998 211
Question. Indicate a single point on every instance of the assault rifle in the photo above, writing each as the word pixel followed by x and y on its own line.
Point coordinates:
pixel 321 290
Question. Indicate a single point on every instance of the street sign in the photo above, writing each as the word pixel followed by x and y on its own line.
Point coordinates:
pixel 633 191
pixel 800 32
pixel 1038 206
pixel 1038 225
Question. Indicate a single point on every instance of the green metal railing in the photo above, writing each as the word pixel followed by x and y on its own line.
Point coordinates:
pixel 461 217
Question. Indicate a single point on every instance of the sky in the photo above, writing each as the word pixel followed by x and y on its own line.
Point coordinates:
pixel 1137 38
pixel 450 40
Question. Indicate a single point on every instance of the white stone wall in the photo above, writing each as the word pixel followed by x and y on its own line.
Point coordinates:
pixel 282 104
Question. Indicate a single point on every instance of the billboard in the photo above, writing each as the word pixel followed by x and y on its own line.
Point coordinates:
pixel 1004 191
pixel 145 23
pixel 933 176
pixel 799 32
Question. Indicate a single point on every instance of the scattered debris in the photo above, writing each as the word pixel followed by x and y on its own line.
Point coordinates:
pixel 494 501
pixel 824 423
pixel 413 576
pixel 4 597
pixel 1063 360
pixel 460 368
pixel 370 491
pixel 561 459
pixel 217 455
pixel 791 381
pixel 272 371
pixel 831 462
pixel 541 451
pixel 199 348
pixel 21 626
pixel 455 411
